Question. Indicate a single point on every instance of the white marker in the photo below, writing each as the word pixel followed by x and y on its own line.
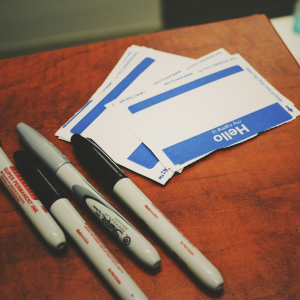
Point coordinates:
pixel 30 204
pixel 89 243
pixel 117 181
pixel 62 168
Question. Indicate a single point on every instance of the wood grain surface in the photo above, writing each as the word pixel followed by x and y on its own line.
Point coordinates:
pixel 239 206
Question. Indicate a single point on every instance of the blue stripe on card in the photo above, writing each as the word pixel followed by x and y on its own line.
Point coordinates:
pixel 100 107
pixel 227 134
pixel 183 89
pixel 143 156
pixel 77 113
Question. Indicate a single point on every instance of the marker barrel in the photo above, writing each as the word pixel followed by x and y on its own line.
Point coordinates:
pixel 194 260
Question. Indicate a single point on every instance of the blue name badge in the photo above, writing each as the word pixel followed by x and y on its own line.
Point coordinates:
pixel 224 135
pixel 227 134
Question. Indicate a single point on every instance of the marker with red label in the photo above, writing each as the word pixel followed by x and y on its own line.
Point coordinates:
pixel 117 181
pixel 30 204
pixel 65 213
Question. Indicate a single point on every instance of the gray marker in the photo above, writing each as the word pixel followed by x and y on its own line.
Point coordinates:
pixel 73 180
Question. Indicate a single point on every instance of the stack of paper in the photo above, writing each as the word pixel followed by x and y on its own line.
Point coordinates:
pixel 158 112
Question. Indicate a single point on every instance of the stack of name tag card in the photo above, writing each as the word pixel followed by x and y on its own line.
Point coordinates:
pixel 158 112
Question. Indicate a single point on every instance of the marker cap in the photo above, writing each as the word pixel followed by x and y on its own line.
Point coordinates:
pixel 98 161
pixel 45 189
pixel 45 151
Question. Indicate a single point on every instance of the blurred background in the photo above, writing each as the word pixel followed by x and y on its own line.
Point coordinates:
pixel 30 26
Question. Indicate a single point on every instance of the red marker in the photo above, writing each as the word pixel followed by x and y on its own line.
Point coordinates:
pixel 30 204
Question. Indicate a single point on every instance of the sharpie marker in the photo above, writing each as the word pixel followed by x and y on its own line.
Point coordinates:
pixel 30 204
pixel 118 182
pixel 62 168
pixel 65 213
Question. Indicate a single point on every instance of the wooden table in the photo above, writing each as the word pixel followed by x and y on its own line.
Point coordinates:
pixel 239 206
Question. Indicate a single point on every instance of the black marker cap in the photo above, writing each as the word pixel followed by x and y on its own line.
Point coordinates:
pixel 44 188
pixel 98 161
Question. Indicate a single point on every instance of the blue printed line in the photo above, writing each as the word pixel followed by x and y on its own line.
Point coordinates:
pixel 183 89
pixel 77 113
pixel 246 126
pixel 100 107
